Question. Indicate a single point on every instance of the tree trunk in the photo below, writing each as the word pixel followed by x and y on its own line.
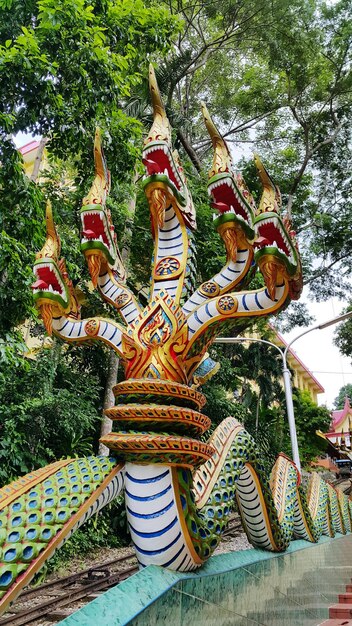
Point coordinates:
pixel 190 150
pixel 109 400
pixel 257 415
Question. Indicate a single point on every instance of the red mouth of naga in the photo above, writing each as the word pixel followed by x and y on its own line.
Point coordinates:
pixel 156 162
pixel 94 228
pixel 270 233
pixel 223 194
pixel 46 277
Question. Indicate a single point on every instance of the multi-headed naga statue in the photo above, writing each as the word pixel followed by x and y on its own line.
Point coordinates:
pixel 179 491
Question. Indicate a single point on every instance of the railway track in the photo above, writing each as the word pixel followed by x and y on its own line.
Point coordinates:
pixel 51 602
pixel 47 604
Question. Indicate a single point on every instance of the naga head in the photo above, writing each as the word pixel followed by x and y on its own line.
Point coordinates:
pixel 231 198
pixel 276 246
pixel 164 182
pixel 98 242
pixel 53 291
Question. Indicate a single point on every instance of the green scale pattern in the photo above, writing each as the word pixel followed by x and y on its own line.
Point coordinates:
pixel 334 507
pixel 28 524
pixel 206 526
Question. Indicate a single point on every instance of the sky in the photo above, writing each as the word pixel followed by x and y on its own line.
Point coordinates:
pixel 319 354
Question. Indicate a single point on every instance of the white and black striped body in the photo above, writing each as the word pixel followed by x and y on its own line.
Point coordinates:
pixel 154 519
pixel 71 329
pixel 252 508
pixel 226 279
pixel 171 241
pixel 110 289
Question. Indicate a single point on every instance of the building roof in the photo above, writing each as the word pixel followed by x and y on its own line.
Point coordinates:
pixel 28 147
pixel 301 367
pixel 338 417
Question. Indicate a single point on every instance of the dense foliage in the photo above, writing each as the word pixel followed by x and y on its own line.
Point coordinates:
pixel 275 76
pixel 345 392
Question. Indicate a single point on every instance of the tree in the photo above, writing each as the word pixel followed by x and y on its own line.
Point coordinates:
pixel 65 67
pixel 343 336
pixel 309 418
pixel 278 78
pixel 345 391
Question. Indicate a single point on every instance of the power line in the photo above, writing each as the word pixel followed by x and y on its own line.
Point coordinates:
pixel 323 372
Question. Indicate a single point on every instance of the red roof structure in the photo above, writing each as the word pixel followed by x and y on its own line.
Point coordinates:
pixel 338 417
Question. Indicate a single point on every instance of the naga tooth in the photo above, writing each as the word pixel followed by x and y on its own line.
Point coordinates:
pixel 166 171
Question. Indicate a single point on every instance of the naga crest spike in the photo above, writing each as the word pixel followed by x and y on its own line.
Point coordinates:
pixel 52 245
pixel 222 158
pixel 161 128
pixel 271 196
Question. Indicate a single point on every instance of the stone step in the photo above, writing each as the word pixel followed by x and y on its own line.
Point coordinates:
pixel 339 611
pixel 345 598
pixel 337 622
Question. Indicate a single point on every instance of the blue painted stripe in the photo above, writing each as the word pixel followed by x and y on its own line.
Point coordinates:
pixel 155 479
pixel 197 318
pixel 151 515
pixel 179 245
pixel 244 303
pixel 148 498
pixel 105 329
pixel 233 271
pixel 168 230
pixel 153 552
pixel 80 328
pixel 207 310
pixel 169 218
pixel 62 327
pixel 191 330
pixel 223 276
pixel 257 302
pixel 113 334
pixel 171 238
pixel 155 533
pixel 175 557
pixel 71 331
pixel 241 251
pixel 241 262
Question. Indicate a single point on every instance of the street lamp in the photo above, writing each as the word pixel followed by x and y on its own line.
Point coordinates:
pixel 286 374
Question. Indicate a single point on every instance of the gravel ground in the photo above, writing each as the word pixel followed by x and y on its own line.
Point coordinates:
pixel 101 555
pixel 240 542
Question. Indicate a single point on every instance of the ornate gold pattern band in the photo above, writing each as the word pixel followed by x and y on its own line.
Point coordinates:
pixel 170 449
pixel 160 387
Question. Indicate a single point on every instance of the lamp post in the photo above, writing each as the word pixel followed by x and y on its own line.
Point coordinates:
pixel 286 374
